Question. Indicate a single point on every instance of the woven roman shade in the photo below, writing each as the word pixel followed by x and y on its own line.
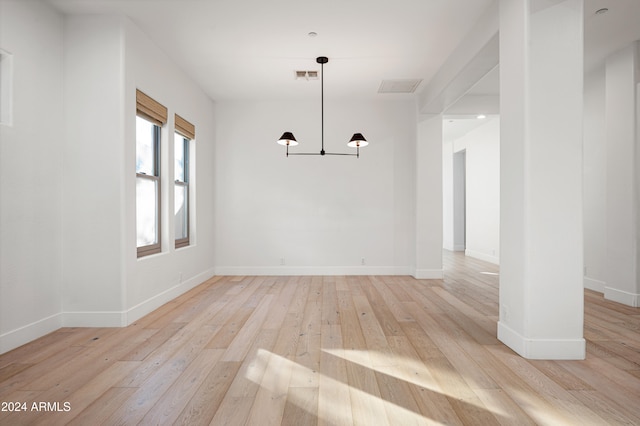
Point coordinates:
pixel 150 108
pixel 185 128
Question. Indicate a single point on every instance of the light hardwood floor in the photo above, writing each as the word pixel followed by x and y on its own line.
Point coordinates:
pixel 369 350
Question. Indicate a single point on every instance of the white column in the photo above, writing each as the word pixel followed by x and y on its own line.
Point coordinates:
pixel 541 245
pixel 429 199
pixel 622 177
pixel 448 208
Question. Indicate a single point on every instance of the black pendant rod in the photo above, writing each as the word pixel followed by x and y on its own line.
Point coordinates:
pixel 322 60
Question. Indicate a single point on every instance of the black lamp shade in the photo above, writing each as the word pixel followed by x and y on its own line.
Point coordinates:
pixel 357 141
pixel 287 138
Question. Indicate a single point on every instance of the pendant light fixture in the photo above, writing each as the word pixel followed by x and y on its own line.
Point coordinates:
pixel 357 140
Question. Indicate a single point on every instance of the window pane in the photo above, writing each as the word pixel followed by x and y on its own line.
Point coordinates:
pixel 146 211
pixel 180 144
pixel 145 147
pixel 181 211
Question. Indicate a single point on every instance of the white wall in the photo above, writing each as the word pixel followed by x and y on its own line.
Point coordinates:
pixel 428 198
pixel 31 175
pixel 153 280
pixel 93 171
pixel 482 181
pixel 317 215
pixel 610 177
pixel 108 58
pixel 622 277
pixel 67 217
pixel 459 200
pixel 595 181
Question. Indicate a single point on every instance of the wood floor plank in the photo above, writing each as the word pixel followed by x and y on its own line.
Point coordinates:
pixel 239 347
pixel 168 312
pixel 381 309
pixel 103 407
pixel 296 310
pixel 330 313
pixel 280 307
pixel 182 340
pixel 202 407
pixel 464 401
pixel 271 398
pixel 88 363
pixel 301 408
pixel 12 369
pixel 246 382
pixel 334 401
pixel 478 326
pixel 307 353
pixel 85 395
pixel 367 405
pixel 448 338
pixel 231 328
pixel 152 389
pixel 233 411
pixel 30 375
pixel 392 303
pixel 614 413
pixel 561 376
pixel 160 337
pixel 426 391
pixel 405 409
pixel 329 350
pixel 169 407
pixel 20 415
pixel 419 339
pixel 547 388
pixel 371 329
pixel 507 411
pixel 41 349
pixel 600 379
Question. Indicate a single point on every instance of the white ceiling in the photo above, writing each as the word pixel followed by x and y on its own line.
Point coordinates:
pixel 604 34
pixel 241 49
pixel 250 49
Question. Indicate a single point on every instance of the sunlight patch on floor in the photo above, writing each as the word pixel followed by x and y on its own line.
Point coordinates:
pixel 406 369
pixel 272 372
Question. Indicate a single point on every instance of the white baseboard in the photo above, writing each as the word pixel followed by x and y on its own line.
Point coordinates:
pixel 311 270
pixel 26 334
pixel 549 349
pixel 153 303
pixel 482 256
pixel 620 296
pixel 428 274
pixel 94 319
pixel 593 284
pixel 459 247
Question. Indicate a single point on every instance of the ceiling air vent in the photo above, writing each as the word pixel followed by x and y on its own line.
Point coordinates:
pixel 306 75
pixel 399 86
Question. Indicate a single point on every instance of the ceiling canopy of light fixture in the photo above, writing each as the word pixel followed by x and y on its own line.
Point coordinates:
pixel 357 140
